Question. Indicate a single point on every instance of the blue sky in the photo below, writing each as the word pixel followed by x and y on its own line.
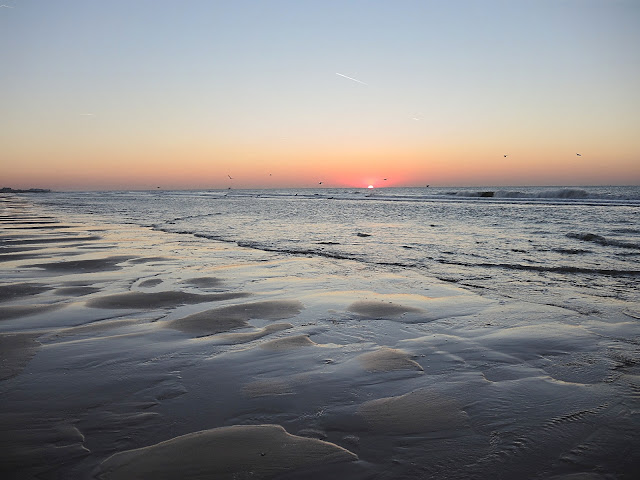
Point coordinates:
pixel 197 89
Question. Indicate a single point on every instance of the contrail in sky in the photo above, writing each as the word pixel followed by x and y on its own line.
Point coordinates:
pixel 354 79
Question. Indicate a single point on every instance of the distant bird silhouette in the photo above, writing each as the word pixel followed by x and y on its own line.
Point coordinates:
pixel 319 183
pixel 385 179
pixel 230 177
pixel 506 156
pixel 579 155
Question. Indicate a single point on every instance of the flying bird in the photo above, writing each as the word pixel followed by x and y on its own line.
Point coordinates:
pixel 230 177
pixel 350 78
pixel 579 155
pixel 505 156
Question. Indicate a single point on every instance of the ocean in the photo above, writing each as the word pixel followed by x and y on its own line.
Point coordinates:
pixel 560 245
pixel 387 333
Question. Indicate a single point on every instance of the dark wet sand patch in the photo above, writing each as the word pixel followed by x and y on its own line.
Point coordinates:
pixel 16 311
pixel 14 257
pixel 244 337
pixel 86 266
pixel 203 282
pixel 223 319
pixel 152 282
pixel 15 352
pixel 34 221
pixel 288 343
pixel 19 290
pixel 387 359
pixel 159 299
pixel 255 451
pixel 40 227
pixel 35 450
pixel 5 250
pixel 419 411
pixel 93 328
pixel 267 388
pixel 76 291
pixel 379 309
pixel 24 241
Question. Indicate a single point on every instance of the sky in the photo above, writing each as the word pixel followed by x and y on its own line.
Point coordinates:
pixel 136 94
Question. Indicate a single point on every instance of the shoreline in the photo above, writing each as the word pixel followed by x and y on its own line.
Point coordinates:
pixel 118 338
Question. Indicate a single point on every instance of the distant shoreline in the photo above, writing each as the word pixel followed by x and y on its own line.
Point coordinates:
pixel 30 190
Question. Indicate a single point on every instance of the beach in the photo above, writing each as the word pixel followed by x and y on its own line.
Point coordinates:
pixel 133 350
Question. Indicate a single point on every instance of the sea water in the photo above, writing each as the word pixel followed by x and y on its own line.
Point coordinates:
pixel 565 246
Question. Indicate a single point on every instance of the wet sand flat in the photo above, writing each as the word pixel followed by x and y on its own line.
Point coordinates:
pixel 143 354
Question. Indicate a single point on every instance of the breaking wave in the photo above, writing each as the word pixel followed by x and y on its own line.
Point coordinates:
pixel 600 240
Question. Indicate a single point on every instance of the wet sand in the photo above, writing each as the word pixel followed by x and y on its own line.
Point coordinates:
pixel 208 360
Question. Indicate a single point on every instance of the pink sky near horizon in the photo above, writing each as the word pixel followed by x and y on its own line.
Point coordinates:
pixel 186 95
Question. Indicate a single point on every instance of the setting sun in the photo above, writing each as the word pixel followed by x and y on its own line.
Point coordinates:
pixel 370 186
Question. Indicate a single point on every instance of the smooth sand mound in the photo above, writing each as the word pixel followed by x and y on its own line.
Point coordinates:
pixel 203 282
pixel 258 451
pixel 76 291
pixel 223 319
pixel 288 343
pixel 15 352
pixel 420 411
pixel 158 299
pixel 85 266
pixel 533 341
pixel 244 337
pixel 378 309
pixel 386 359
pixel 137 261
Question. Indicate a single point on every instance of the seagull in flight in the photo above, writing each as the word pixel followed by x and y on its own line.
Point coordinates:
pixel 578 154
pixel 230 177
pixel 351 78
pixel 506 156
